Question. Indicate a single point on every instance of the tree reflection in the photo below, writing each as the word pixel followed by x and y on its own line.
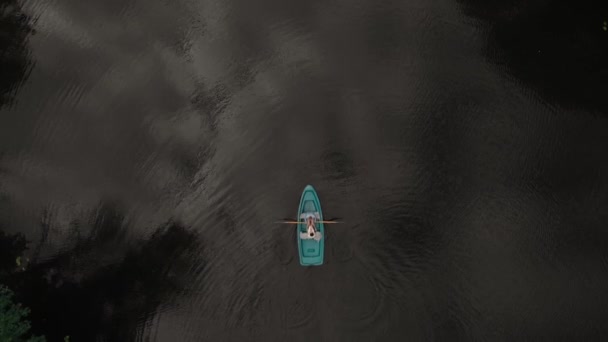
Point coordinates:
pixel 14 56
pixel 87 295
pixel 557 47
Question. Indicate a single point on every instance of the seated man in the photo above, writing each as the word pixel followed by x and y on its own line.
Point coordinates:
pixel 311 231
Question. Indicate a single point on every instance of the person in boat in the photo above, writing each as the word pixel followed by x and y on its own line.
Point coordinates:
pixel 311 231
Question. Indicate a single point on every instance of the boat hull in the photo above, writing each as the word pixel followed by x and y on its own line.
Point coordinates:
pixel 311 251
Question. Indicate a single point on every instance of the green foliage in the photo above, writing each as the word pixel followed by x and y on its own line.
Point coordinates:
pixel 13 320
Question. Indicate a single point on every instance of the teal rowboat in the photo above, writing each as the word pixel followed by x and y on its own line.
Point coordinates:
pixel 310 249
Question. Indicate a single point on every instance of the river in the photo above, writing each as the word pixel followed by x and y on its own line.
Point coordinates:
pixel 147 147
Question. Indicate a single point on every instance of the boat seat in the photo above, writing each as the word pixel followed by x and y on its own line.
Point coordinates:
pixel 305 215
pixel 304 236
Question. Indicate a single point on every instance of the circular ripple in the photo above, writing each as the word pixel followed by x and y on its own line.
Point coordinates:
pixel 261 310
pixel 359 301
pixel 299 312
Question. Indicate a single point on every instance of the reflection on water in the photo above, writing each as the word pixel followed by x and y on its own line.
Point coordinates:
pixel 470 173
pixel 559 48
pixel 107 287
pixel 11 248
pixel 15 27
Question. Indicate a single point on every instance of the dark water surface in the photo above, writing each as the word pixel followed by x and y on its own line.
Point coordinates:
pixel 146 147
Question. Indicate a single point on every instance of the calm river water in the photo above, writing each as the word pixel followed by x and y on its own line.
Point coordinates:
pixel 147 147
